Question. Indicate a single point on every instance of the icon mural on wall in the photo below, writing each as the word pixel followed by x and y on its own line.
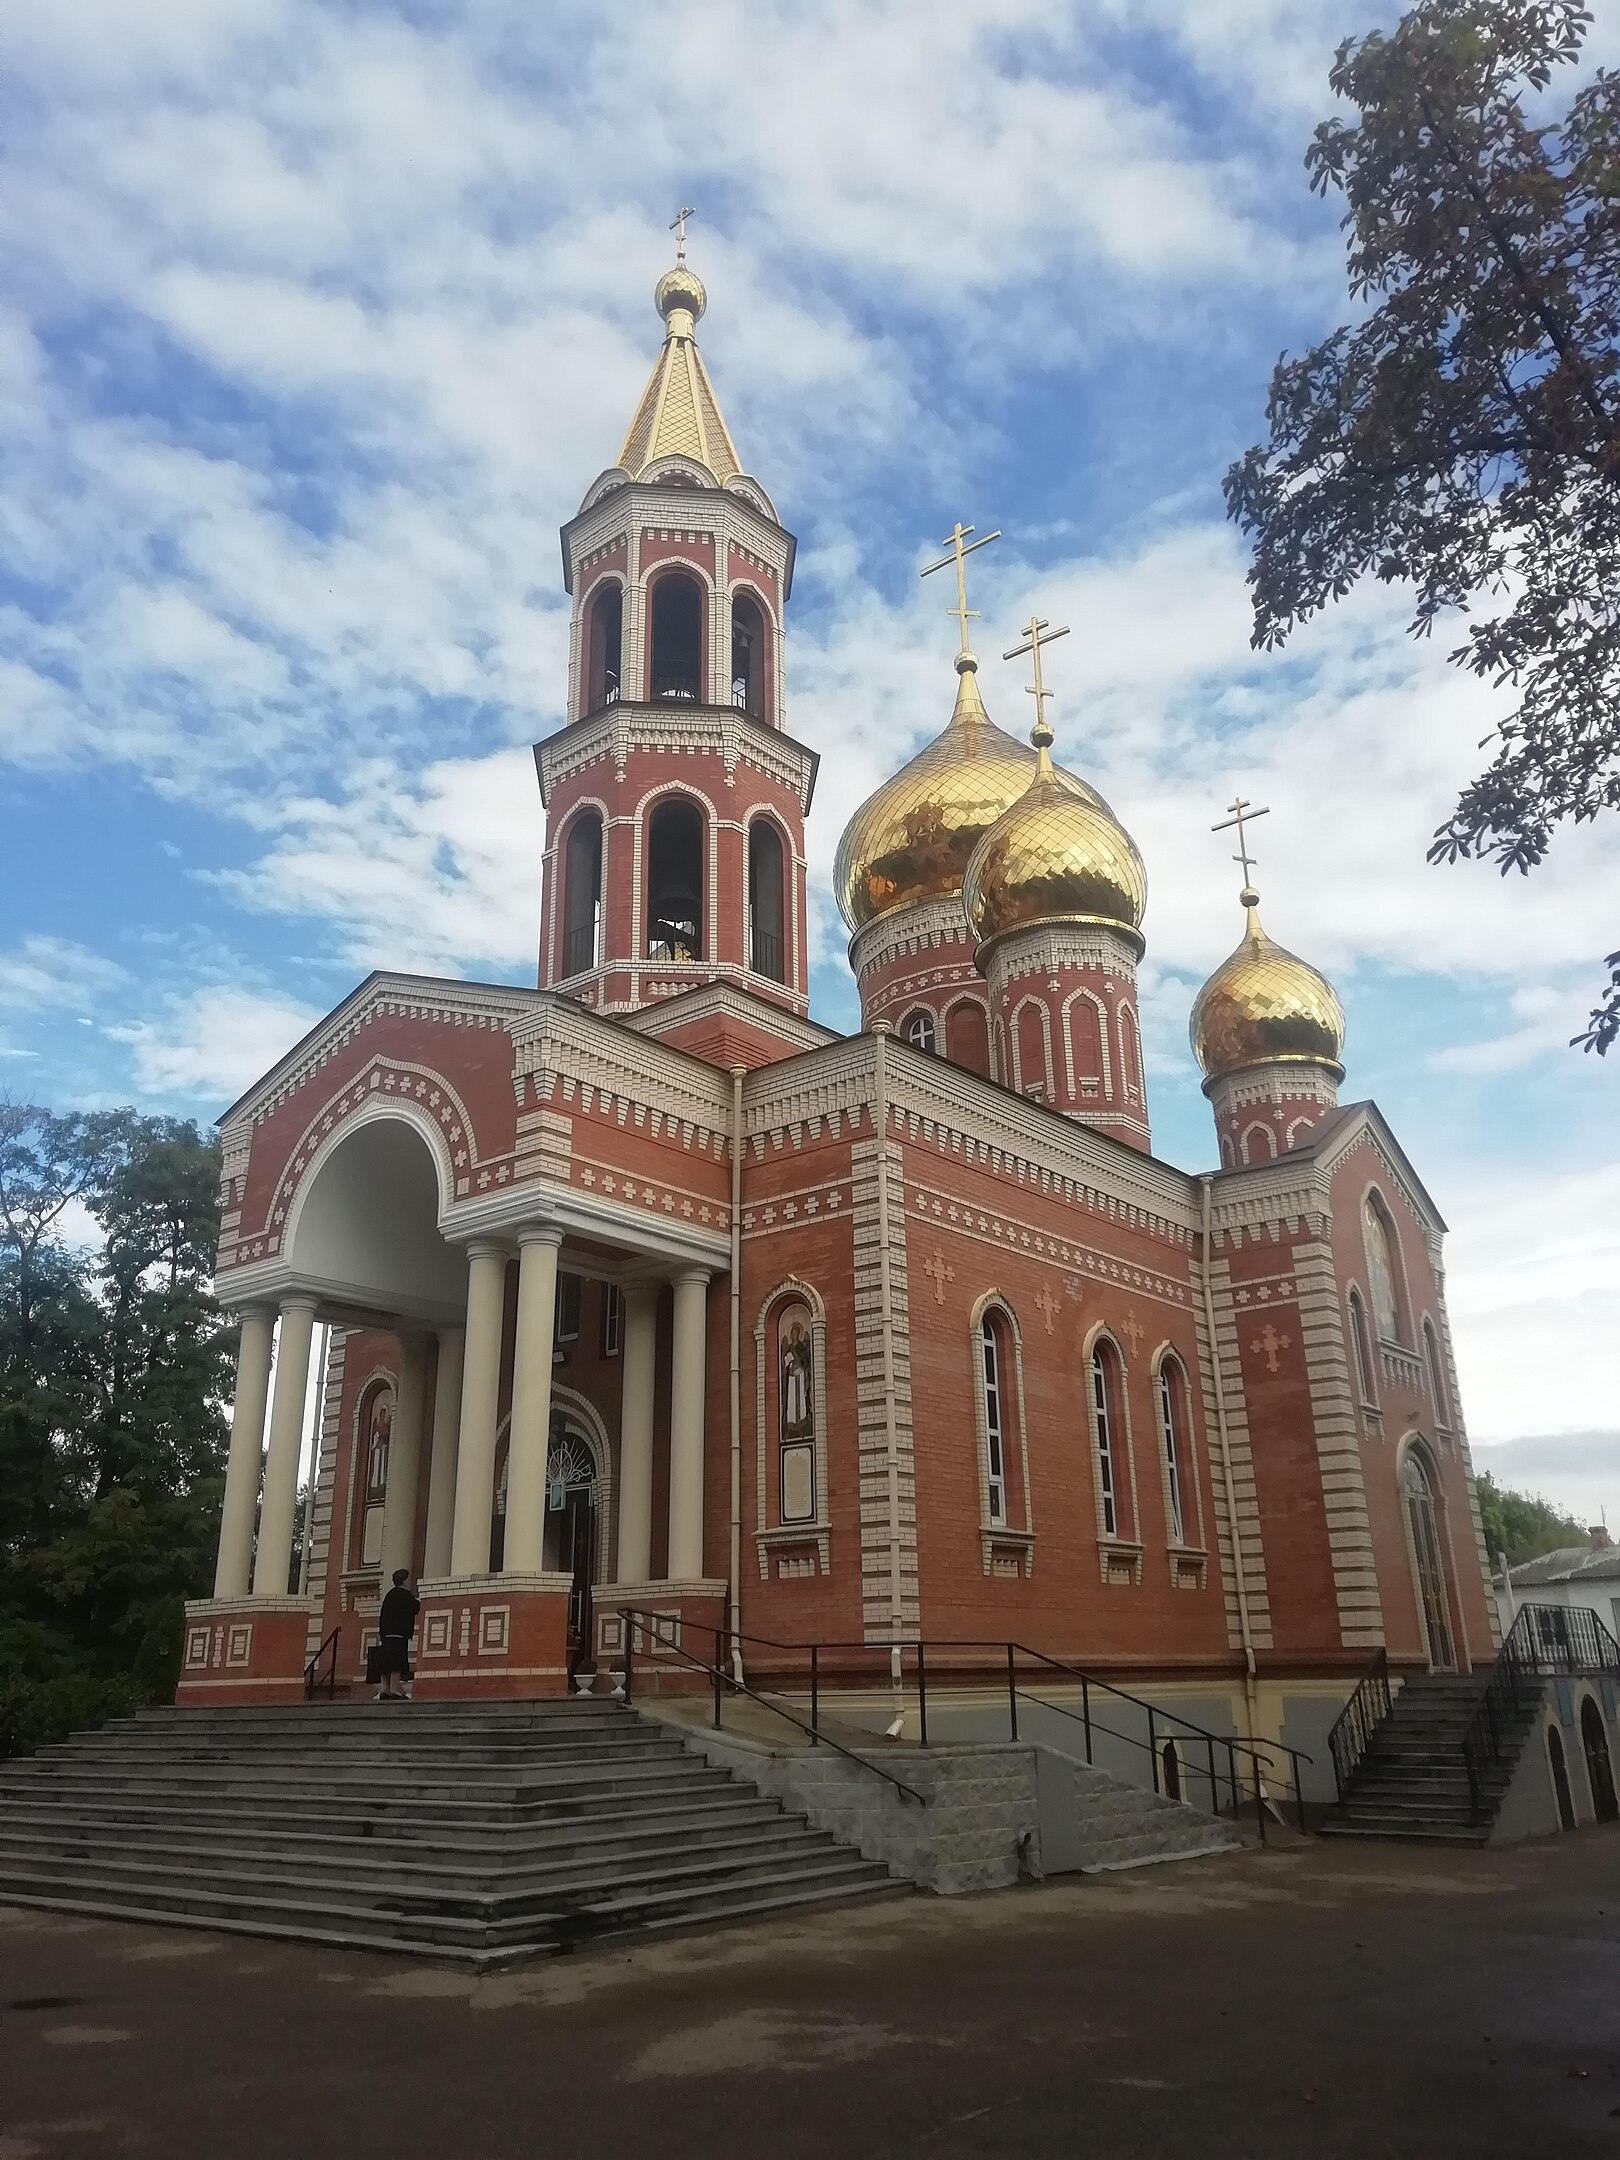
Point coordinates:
pixel 796 1414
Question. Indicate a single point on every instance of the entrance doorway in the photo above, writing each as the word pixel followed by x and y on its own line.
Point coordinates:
pixel 570 1533
pixel 1431 1577
pixel 1560 1778
pixel 1599 1769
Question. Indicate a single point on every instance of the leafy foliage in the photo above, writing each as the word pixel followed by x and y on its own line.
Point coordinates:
pixel 115 1364
pixel 1463 436
pixel 1522 1525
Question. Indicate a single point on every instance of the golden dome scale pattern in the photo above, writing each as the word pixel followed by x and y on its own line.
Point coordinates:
pixel 1056 855
pixel 1265 1006
pixel 912 838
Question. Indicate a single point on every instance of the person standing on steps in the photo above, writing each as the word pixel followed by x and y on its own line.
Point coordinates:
pixel 396 1623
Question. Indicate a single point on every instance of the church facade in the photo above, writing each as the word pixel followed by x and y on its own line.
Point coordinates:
pixel 641 1290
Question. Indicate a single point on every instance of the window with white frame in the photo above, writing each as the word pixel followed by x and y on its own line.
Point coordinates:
pixel 567 1308
pixel 920 1030
pixel 1170 1429
pixel 995 1449
pixel 1102 1418
pixel 612 1319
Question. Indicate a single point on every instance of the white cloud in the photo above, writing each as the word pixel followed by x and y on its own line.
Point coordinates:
pixel 48 972
pixel 215 1041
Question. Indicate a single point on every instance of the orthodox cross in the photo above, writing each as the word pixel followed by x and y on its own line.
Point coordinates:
pixel 942 1272
pixel 1243 813
pixel 1047 1305
pixel 1133 1328
pixel 1037 632
pixel 678 228
pixel 953 540
pixel 1269 1342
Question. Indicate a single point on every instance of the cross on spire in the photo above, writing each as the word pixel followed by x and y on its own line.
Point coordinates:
pixel 1243 813
pixel 953 540
pixel 678 228
pixel 1037 632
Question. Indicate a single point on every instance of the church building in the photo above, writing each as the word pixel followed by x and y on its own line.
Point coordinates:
pixel 639 1289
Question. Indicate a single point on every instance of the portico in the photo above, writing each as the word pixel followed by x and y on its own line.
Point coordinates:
pixel 476 1442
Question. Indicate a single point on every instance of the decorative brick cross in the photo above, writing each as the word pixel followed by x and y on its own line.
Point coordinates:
pixel 1270 1342
pixel 942 1272
pixel 1134 1329
pixel 1048 1305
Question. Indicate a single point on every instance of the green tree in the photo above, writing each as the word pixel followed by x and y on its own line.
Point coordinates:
pixel 114 1368
pixel 1463 435
pixel 1522 1525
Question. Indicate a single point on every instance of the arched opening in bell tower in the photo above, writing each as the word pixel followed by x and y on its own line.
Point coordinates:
pixel 767 950
pixel 582 894
pixel 748 656
pixel 604 640
pixel 675 881
pixel 677 637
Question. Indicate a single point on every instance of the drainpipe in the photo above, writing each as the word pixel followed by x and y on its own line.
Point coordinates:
pixel 882 1030
pixel 1223 1441
pixel 737 1073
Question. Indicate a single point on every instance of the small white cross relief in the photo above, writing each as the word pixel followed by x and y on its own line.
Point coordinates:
pixel 1269 1342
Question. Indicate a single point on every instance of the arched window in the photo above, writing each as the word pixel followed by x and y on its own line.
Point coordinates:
pixel 1423 1529
pixel 918 1029
pixel 1173 1437
pixel 796 1415
pixel 1130 1055
pixel 677 637
pixel 1437 1375
pixel 1259 1143
pixel 747 656
pixel 1361 1351
pixel 1382 1273
pixel 376 1441
pixel 1088 1048
pixel 675 881
pixel 604 639
pixel 1032 1046
pixel 967 1036
pixel 1107 1432
pixel 582 894
pixel 993 1381
pixel 767 954
pixel 1562 1796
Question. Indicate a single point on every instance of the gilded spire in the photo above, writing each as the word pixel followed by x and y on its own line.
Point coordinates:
pixel 679 414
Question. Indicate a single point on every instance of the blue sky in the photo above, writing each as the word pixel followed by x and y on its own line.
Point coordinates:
pixel 318 323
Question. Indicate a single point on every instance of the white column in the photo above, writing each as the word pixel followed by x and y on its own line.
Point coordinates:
pixel 480 1405
pixel 404 1456
pixel 441 1513
pixel 636 1433
pixel 273 1562
pixel 235 1562
pixel 531 1400
pixel 686 1426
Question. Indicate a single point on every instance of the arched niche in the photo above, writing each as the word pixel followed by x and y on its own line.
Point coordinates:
pixel 364 1227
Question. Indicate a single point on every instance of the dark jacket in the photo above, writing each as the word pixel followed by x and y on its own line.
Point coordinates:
pixel 398 1614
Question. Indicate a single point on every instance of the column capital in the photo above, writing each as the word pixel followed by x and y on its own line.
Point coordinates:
pixel 477 1247
pixel 540 1233
pixel 299 1301
pixel 701 1275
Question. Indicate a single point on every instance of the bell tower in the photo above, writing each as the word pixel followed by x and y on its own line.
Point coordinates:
pixel 675 800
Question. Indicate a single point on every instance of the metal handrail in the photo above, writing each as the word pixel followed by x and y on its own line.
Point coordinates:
pixel 1350 1734
pixel 1261 1753
pixel 312 1679
pixel 724 1681
pixel 1545 1641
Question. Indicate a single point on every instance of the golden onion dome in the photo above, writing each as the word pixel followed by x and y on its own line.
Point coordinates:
pixel 1056 855
pixel 1265 1006
pixel 912 837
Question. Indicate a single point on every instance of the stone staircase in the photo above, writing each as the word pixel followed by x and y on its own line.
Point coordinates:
pixel 1412 1783
pixel 474 1832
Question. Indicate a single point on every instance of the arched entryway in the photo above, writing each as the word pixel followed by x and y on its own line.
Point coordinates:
pixel 1599 1767
pixel 1560 1777
pixel 1428 1569
pixel 577 1512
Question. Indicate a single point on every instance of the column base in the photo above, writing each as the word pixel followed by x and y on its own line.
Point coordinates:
pixel 244 1650
pixel 686 1616
pixel 492 1635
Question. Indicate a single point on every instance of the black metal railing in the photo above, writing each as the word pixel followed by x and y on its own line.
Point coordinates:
pixel 724 1683
pixel 1353 1728
pixel 579 949
pixel 314 1679
pixel 767 954
pixel 676 683
pixel 1234 1770
pixel 1544 1642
